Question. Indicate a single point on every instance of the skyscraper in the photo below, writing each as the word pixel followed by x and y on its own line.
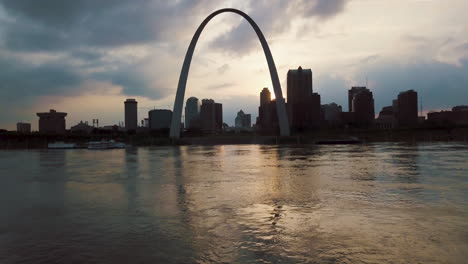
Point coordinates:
pixel 267 115
pixel 361 104
pixel 192 113
pixel 211 115
pixel 303 105
pixel 243 120
pixel 407 111
pixel 131 114
pixel 265 96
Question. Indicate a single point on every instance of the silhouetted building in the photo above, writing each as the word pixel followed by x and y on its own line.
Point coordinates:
pixel 52 122
pixel 361 103
pixel 303 105
pixel 160 119
pixel 265 96
pixel 211 115
pixel 192 113
pixel 332 114
pixel 243 120
pixel 460 108
pixel 267 119
pixel 131 114
pixel 386 118
pixel 407 109
pixel 83 127
pixel 347 118
pixel 457 117
pixel 23 128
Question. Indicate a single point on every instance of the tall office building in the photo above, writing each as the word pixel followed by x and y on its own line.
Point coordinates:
pixel 52 122
pixel 361 104
pixel 265 96
pixel 211 115
pixel 243 120
pixel 303 105
pixel 407 110
pixel 192 113
pixel 267 119
pixel 131 114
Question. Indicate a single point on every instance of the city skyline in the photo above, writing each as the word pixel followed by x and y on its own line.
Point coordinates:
pixel 84 75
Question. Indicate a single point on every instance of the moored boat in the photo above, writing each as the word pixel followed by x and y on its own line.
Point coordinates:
pixel 61 145
pixel 104 144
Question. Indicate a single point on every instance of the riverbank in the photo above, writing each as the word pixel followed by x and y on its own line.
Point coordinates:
pixel 38 141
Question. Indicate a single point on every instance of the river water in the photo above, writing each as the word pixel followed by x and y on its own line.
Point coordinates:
pixel 377 203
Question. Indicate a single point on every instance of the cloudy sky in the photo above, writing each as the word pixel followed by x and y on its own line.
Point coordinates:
pixel 84 57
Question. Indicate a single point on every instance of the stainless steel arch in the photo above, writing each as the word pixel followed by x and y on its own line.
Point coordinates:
pixel 179 100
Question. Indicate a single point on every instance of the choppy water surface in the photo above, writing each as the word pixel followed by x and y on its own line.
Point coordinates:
pixel 383 203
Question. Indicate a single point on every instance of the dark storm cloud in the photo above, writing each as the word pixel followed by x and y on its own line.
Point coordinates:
pixel 325 8
pixel 87 32
pixel 57 24
pixel 20 80
pixel 274 17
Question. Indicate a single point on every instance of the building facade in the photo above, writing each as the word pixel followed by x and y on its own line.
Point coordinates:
pixel 131 114
pixel 267 119
pixel 23 128
pixel 386 118
pixel 159 119
pixel 361 103
pixel 457 117
pixel 243 121
pixel 211 115
pixel 332 114
pixel 192 113
pixel 303 105
pixel 83 127
pixel 407 109
pixel 52 122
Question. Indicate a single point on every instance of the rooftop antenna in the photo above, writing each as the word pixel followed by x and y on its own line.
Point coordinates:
pixel 421 108
pixel 367 83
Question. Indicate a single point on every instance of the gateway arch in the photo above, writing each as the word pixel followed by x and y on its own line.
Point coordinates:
pixel 179 100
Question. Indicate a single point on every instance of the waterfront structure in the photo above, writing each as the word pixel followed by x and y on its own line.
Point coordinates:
pixel 82 127
pixel 160 119
pixel 192 113
pixel 131 114
pixel 458 116
pixel 406 110
pixel 303 105
pixel 211 115
pixel 23 128
pixel 281 108
pixel 460 108
pixel 243 120
pixel 361 104
pixel 52 122
pixel 332 114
